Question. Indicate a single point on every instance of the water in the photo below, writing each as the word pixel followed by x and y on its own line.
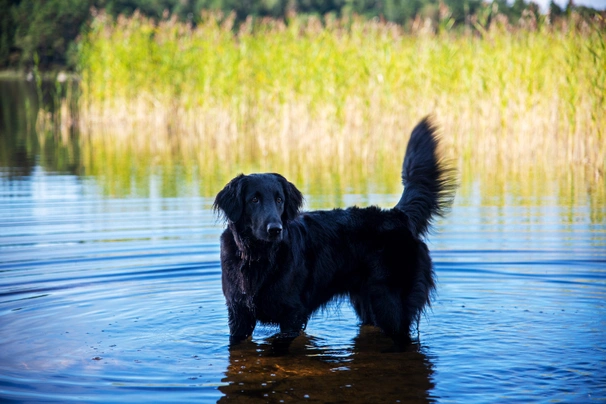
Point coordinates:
pixel 106 299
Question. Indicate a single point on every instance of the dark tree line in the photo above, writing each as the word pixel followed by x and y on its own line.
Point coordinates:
pixel 45 31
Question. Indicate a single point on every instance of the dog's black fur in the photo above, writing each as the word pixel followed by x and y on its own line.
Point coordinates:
pixel 279 265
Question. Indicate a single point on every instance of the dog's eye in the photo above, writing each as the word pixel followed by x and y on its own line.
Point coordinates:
pixel 279 200
pixel 255 199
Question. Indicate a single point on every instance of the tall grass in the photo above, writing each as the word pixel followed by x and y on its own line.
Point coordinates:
pixel 339 97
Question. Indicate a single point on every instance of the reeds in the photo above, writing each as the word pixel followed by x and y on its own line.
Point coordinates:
pixel 339 98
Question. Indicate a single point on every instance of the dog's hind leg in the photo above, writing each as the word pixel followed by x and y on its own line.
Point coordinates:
pixel 362 308
pixel 390 315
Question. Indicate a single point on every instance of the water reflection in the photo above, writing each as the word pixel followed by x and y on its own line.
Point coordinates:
pixel 315 371
pixel 124 168
pixel 24 141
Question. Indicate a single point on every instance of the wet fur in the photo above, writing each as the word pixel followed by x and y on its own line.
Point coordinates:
pixel 280 265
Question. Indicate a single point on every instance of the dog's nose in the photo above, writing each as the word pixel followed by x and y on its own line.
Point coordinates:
pixel 274 229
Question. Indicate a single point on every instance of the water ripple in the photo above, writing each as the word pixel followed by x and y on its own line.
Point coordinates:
pixel 119 300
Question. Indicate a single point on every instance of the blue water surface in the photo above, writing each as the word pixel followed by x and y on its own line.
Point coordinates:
pixel 119 300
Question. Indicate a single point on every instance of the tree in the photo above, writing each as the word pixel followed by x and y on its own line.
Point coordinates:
pixel 7 32
pixel 48 28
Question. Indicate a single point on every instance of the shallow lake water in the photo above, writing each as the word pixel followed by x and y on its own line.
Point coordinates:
pixel 106 299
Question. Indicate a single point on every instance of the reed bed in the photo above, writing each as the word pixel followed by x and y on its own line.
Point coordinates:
pixel 323 100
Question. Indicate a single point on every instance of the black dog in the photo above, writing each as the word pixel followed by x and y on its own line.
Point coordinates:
pixel 279 265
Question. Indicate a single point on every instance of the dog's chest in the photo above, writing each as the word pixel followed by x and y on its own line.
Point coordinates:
pixel 270 308
pixel 266 290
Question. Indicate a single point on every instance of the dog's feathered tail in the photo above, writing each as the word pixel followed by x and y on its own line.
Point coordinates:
pixel 429 181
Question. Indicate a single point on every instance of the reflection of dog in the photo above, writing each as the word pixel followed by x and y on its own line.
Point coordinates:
pixel 279 265
pixel 351 374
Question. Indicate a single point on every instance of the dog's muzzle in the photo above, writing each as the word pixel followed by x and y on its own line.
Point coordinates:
pixel 274 230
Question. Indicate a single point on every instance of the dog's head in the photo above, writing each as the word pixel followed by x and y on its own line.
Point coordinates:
pixel 261 202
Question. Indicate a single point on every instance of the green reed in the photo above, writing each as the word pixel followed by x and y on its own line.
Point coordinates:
pixel 338 97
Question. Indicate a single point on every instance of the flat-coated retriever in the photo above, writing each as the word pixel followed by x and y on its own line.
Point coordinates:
pixel 280 265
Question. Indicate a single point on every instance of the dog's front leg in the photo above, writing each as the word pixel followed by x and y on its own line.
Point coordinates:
pixel 241 323
pixel 292 327
pixel 289 330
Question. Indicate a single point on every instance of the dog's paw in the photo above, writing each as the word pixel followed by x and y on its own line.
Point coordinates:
pixel 401 344
pixel 287 335
pixel 281 342
pixel 237 339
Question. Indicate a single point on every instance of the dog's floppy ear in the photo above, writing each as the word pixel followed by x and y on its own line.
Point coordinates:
pixel 229 201
pixel 294 199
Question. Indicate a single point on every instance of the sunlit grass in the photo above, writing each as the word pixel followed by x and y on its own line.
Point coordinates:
pixel 333 103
